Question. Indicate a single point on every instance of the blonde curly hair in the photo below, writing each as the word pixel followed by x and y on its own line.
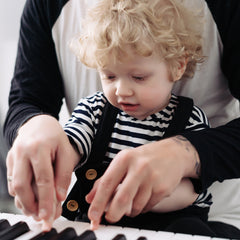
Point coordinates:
pixel 162 27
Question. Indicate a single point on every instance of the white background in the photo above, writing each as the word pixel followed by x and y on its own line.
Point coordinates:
pixel 10 12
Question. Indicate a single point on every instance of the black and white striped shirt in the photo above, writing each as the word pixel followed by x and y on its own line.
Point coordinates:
pixel 128 132
pixel 46 72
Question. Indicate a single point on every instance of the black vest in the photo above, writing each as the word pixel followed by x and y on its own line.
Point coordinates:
pixel 75 207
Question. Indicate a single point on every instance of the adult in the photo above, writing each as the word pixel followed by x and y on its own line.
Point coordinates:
pixel 46 72
pixel 3 178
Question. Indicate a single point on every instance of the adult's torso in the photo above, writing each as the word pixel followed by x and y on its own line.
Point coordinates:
pixel 208 88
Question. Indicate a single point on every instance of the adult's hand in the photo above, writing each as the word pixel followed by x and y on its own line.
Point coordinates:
pixel 40 164
pixel 139 178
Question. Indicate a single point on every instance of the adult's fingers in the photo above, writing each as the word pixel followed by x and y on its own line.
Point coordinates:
pixel 122 199
pixel 34 158
pixel 23 210
pixel 47 223
pixel 135 190
pixel 21 182
pixel 156 164
pixel 141 199
pixel 44 180
pixel 107 186
pixel 17 203
pixel 58 209
pixel 90 196
pixel 156 196
pixel 65 162
pixel 154 200
pixel 9 162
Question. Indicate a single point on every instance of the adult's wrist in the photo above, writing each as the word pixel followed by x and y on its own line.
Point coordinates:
pixel 188 155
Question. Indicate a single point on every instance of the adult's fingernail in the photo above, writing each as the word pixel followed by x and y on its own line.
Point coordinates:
pixel 94 225
pixel 95 215
pixel 42 213
pixel 36 218
pixel 62 192
pixel 46 226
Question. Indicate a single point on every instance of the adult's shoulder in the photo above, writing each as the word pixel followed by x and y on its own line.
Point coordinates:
pixel 44 11
pixel 226 14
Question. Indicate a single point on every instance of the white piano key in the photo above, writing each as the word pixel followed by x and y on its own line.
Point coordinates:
pixel 154 235
pixel 163 235
pixel 35 228
pixel 181 236
pixel 220 238
pixel 107 232
pixel 12 218
pixel 103 233
pixel 62 223
pixel 130 233
pixel 28 235
pixel 198 237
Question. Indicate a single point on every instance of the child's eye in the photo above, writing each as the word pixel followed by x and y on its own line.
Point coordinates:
pixel 138 78
pixel 110 77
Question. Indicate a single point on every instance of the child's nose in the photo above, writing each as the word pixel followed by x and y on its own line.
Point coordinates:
pixel 124 88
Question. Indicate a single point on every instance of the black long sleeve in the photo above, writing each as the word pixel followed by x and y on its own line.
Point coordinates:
pixel 219 148
pixel 37 85
pixel 219 152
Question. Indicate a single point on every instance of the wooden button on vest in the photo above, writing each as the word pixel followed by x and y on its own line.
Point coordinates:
pixel 91 174
pixel 72 205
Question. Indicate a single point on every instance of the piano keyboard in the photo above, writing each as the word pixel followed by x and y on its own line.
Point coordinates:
pixel 25 228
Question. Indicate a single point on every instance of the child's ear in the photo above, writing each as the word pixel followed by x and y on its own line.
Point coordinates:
pixel 182 65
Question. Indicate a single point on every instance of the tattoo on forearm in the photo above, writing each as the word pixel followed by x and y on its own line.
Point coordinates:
pixel 183 142
pixel 188 147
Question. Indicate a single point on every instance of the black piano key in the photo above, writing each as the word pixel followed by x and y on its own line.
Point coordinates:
pixel 120 237
pixel 14 231
pixel 45 235
pixel 67 234
pixel 142 238
pixel 4 224
pixel 87 235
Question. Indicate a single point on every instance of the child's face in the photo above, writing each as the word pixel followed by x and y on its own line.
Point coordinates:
pixel 140 86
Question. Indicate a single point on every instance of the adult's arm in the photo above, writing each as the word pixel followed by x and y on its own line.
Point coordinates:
pixel 40 143
pixel 219 148
pixel 37 84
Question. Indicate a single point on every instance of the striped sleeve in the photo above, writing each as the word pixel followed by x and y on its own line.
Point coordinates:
pixel 81 127
pixel 198 120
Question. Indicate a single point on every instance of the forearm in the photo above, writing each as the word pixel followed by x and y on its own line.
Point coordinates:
pixel 16 116
pixel 18 113
pixel 36 86
pixel 188 154
pixel 183 196
pixel 219 148
pixel 227 17
pixel 219 151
